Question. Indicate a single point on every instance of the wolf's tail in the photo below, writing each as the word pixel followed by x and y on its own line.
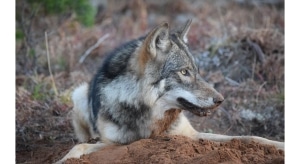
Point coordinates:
pixel 80 117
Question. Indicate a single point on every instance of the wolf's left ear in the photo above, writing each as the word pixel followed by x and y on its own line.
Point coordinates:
pixel 184 31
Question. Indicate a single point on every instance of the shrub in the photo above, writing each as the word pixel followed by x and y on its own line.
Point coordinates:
pixel 85 13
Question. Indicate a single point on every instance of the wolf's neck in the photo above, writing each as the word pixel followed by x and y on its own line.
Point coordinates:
pixel 163 124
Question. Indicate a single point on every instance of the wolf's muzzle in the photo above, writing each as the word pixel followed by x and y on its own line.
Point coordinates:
pixel 197 110
pixel 218 100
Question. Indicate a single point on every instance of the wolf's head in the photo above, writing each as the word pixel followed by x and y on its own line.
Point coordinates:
pixel 166 63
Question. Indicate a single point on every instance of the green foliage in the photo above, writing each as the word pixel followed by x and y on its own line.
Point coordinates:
pixel 32 53
pixel 280 96
pixel 62 63
pixel 37 94
pixel 19 34
pixel 84 11
pixel 41 90
pixel 65 97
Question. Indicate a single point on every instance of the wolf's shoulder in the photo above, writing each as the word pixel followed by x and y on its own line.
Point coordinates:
pixel 116 62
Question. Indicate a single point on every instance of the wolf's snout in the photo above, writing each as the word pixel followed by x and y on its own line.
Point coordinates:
pixel 218 100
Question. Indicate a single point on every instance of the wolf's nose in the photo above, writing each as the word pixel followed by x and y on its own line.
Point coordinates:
pixel 218 100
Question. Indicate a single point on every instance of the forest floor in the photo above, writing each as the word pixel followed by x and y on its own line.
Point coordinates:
pixel 239 49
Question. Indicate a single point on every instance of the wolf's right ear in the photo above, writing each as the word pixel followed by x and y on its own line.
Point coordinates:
pixel 183 33
pixel 157 39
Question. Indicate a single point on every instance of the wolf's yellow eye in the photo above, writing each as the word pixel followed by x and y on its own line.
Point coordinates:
pixel 184 72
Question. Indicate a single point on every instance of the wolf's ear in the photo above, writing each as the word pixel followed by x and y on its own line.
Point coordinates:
pixel 157 39
pixel 184 31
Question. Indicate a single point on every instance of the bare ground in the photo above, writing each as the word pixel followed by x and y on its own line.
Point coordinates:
pixel 240 47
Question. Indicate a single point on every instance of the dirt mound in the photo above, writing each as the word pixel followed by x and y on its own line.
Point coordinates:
pixel 179 149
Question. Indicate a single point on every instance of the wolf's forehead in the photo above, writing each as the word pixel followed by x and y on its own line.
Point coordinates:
pixel 182 53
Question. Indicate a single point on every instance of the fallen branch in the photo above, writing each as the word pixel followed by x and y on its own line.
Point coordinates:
pixel 49 66
pixel 88 51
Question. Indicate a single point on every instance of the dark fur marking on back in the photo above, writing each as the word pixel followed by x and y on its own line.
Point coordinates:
pixel 116 63
pixel 134 113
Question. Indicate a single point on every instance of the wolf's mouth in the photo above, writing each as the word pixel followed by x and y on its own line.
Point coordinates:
pixel 194 108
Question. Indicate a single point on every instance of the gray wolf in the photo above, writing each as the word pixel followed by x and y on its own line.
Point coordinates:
pixel 140 92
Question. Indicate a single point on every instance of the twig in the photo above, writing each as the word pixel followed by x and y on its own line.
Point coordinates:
pixel 88 51
pixel 232 82
pixel 257 49
pixel 222 22
pixel 253 68
pixel 227 130
pixel 260 87
pixel 49 66
pixel 229 118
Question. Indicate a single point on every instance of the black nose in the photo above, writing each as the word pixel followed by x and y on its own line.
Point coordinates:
pixel 218 100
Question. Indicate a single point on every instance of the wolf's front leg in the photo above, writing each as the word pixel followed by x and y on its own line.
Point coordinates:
pixel 244 139
pixel 183 127
pixel 81 149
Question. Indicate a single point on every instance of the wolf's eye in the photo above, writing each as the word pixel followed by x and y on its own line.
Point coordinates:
pixel 184 72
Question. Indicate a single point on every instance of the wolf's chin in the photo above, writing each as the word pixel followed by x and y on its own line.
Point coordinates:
pixel 195 109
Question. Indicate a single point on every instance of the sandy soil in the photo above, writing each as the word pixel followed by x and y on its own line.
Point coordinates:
pixel 179 149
